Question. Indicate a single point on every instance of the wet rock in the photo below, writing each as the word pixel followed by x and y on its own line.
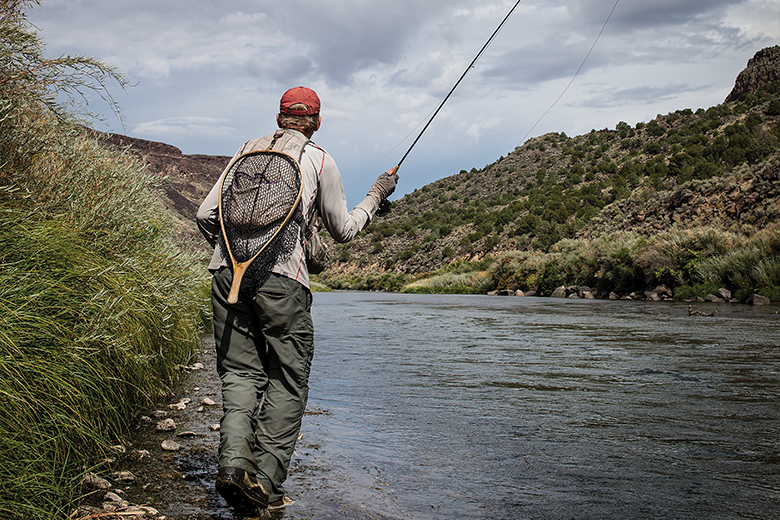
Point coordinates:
pixel 187 434
pixel 170 445
pixel 724 294
pixel 214 427
pixel 713 299
pixel 166 425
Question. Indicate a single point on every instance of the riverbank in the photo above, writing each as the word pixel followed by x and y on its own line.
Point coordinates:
pixel 167 469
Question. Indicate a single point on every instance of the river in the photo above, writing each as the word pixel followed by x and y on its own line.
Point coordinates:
pixel 463 407
pixel 448 407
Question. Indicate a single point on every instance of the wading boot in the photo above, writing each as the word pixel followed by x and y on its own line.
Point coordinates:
pixel 241 490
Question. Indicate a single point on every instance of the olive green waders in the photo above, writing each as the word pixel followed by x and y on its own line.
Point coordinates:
pixel 264 350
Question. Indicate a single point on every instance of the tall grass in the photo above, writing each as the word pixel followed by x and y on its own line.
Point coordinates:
pixel 97 306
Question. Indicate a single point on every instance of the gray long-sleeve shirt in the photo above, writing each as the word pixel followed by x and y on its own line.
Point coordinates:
pixel 322 185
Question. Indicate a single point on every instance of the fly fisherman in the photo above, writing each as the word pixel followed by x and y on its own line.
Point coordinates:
pixel 265 341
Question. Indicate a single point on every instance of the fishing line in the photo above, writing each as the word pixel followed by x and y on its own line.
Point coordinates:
pixel 471 65
pixel 575 74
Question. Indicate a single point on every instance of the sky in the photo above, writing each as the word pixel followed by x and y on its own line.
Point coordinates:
pixel 207 75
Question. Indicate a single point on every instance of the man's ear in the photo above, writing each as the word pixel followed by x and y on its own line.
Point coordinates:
pixel 278 120
pixel 319 122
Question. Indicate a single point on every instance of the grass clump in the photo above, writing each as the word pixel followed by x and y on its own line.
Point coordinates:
pixel 97 306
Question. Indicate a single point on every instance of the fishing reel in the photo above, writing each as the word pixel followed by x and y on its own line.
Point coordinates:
pixel 384 208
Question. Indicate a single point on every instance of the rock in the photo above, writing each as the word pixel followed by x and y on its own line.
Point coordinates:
pixel 112 501
pixel 123 476
pixel 530 293
pixel 181 405
pixel 519 293
pixel 582 290
pixel 93 481
pixel 214 427
pixel 757 299
pixel 166 425
pixel 661 292
pixel 713 299
pixel 141 454
pixel 613 296
pixel 588 295
pixel 170 445
pixel 208 402
pixel 159 414
pixel 762 68
pixel 118 449
pixel 724 294
pixel 560 292
pixel 573 295
pixel 505 292
pixel 187 434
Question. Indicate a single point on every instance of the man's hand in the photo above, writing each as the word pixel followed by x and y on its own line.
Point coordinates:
pixel 384 185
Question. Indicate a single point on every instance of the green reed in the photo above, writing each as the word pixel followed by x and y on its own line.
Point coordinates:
pixel 97 307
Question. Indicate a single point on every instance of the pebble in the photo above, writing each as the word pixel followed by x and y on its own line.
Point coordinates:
pixel 95 482
pixel 170 445
pixel 214 427
pixel 123 476
pixel 166 425
pixel 208 402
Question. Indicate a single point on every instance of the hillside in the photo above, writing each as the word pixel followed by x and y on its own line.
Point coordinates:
pixel 715 167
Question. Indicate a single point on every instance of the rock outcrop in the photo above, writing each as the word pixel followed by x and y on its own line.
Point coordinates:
pixel 762 68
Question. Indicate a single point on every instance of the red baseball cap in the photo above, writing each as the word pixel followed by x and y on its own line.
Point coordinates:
pixel 300 95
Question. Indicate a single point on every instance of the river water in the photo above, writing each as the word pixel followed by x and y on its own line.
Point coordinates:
pixel 462 407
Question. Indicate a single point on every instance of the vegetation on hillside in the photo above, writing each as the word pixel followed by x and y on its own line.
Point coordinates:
pixel 536 212
pixel 97 308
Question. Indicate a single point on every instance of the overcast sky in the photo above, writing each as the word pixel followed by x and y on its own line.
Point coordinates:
pixel 209 73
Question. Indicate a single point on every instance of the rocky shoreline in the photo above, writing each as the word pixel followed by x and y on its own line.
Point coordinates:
pixel 660 293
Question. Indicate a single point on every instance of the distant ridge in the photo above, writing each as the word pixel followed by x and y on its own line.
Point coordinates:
pixel 717 166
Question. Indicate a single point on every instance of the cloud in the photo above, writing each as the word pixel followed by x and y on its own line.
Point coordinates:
pixel 184 127
pixel 210 73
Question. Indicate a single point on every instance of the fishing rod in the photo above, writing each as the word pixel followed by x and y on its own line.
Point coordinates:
pixel 471 65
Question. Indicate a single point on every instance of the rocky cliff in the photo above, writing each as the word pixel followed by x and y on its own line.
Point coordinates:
pixel 763 68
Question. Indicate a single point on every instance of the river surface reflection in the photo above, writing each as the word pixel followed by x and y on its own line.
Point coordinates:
pixel 459 407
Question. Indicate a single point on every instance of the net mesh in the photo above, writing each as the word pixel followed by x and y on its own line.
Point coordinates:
pixel 258 193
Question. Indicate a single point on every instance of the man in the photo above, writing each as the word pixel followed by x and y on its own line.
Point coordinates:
pixel 265 341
